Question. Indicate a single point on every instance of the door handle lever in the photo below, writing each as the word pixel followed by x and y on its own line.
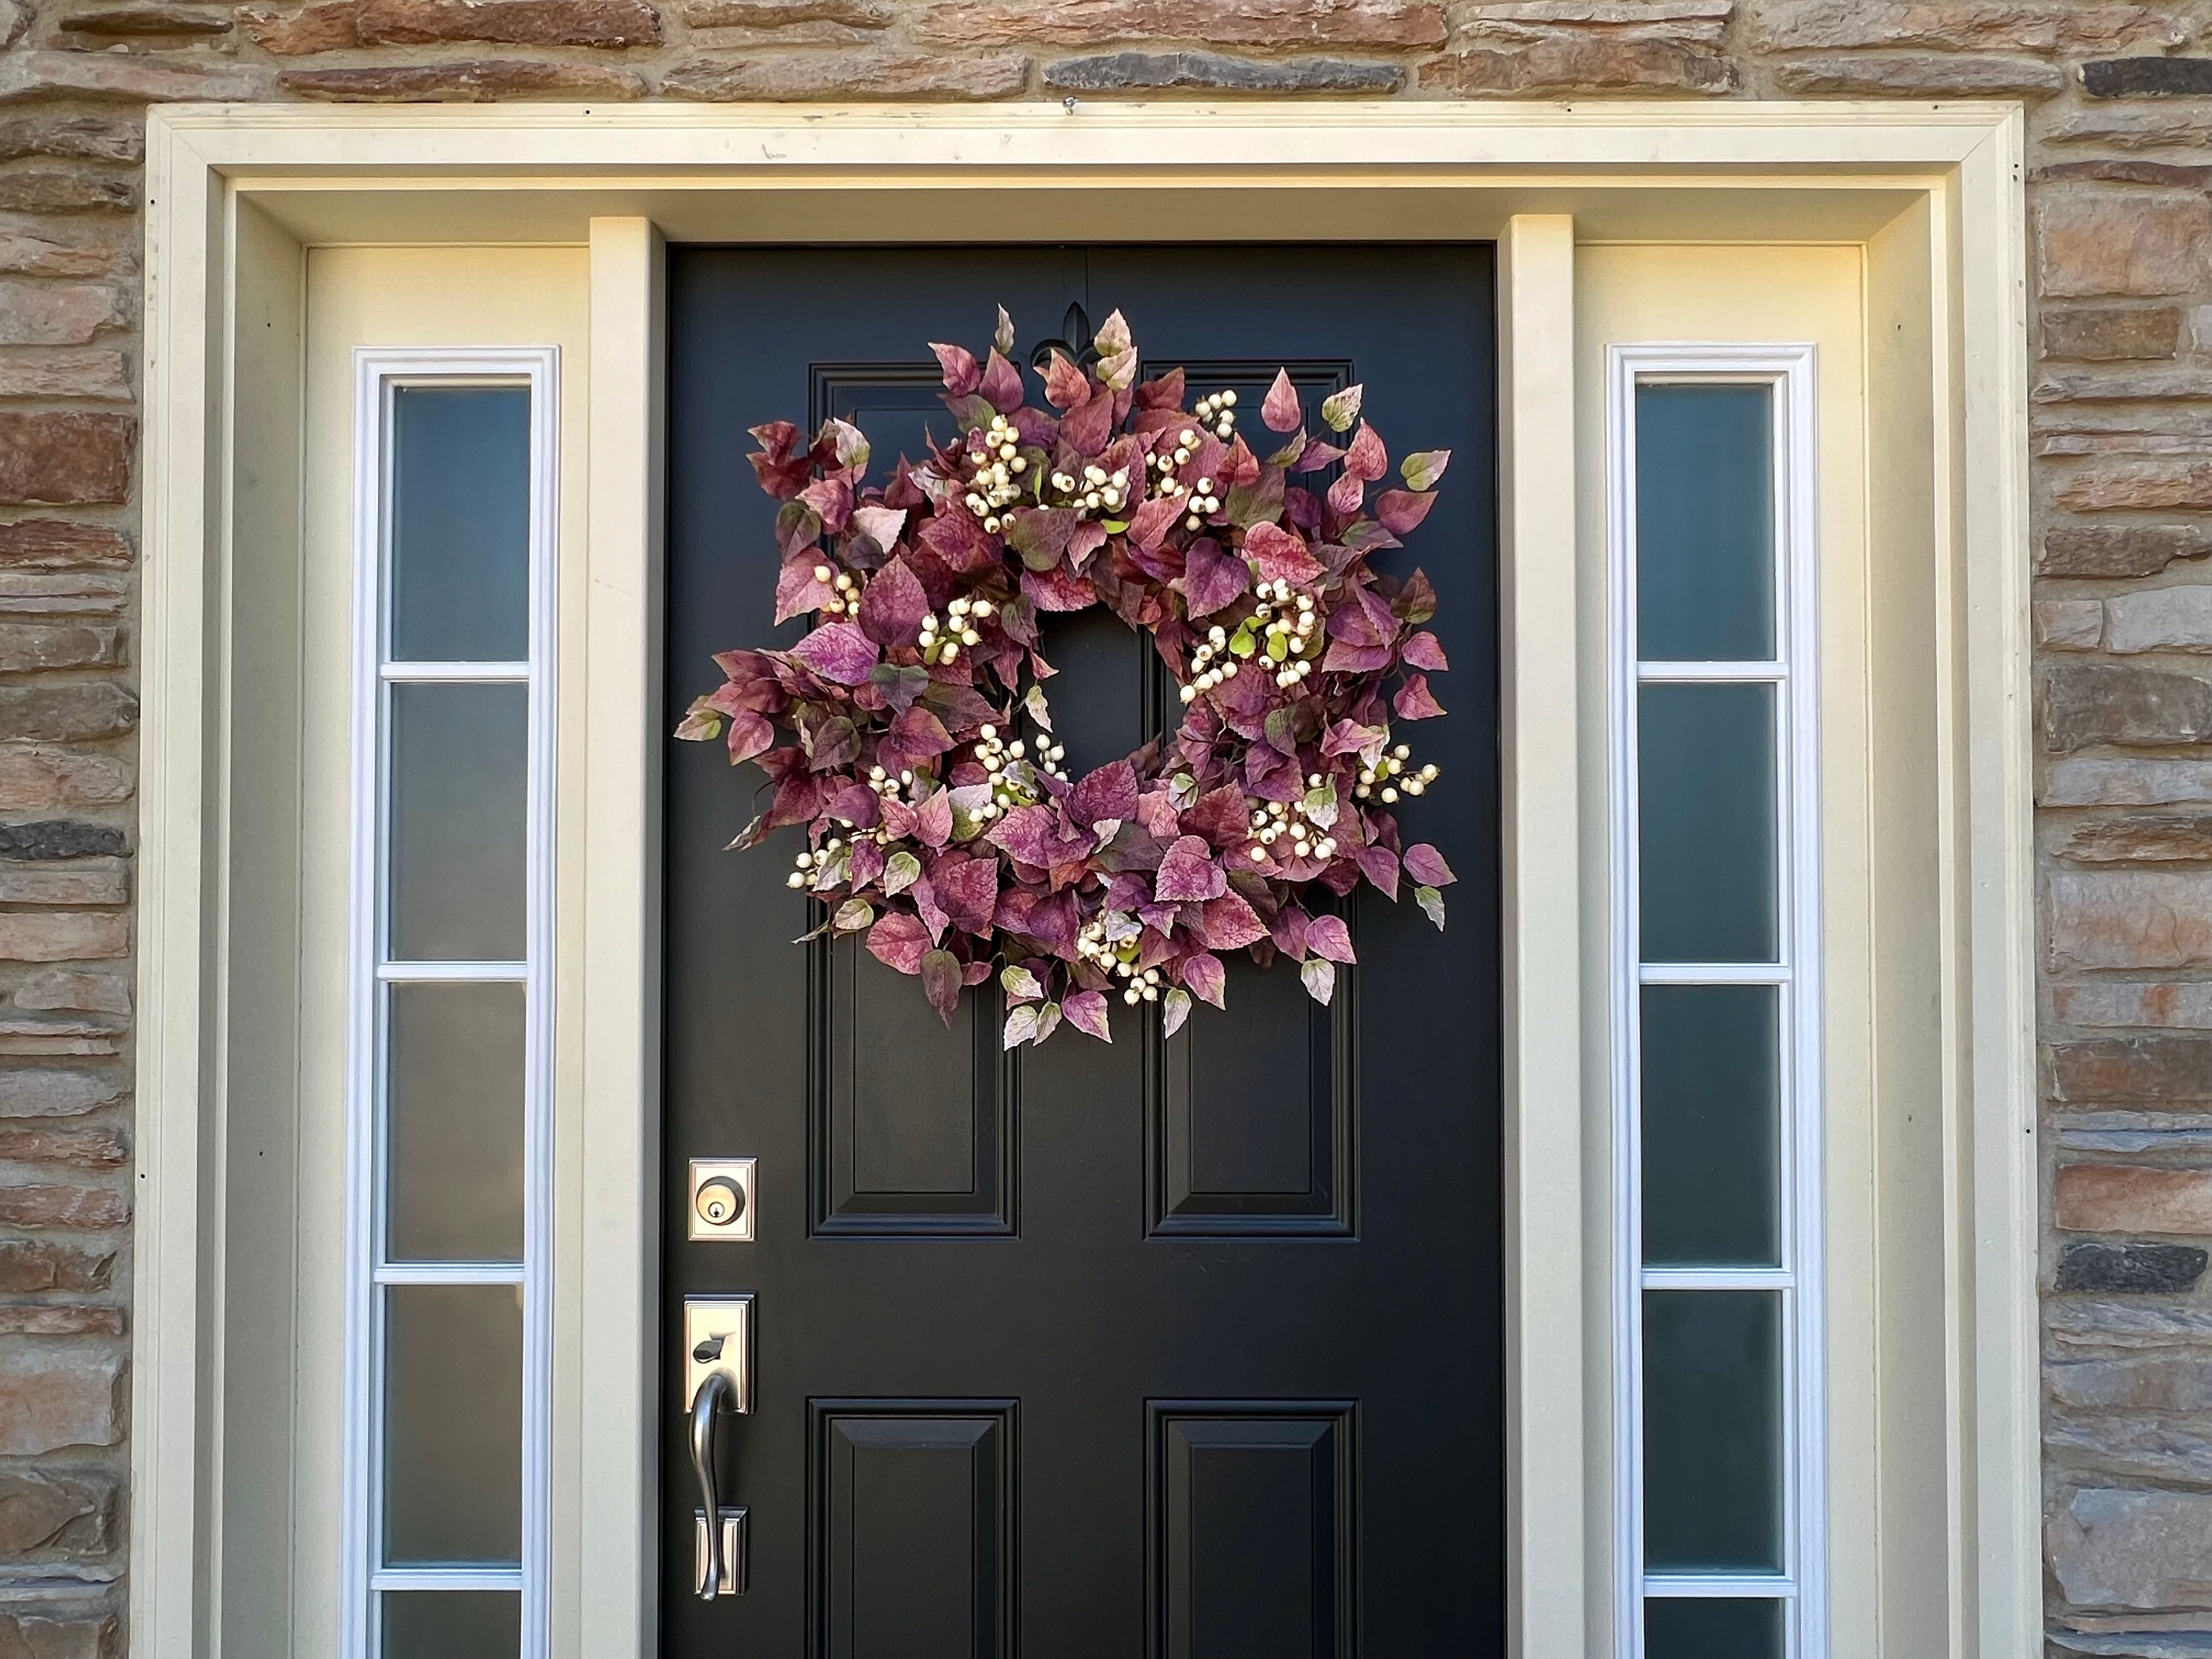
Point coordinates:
pixel 718 1351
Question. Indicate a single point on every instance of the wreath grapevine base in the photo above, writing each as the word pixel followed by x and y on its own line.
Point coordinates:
pixel 961 848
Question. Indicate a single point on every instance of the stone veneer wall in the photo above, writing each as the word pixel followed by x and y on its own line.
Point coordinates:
pixel 2120 118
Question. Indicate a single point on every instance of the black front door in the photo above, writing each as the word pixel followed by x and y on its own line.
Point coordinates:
pixel 1188 1347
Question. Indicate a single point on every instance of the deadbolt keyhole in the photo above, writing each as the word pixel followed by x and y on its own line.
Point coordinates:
pixel 721 1201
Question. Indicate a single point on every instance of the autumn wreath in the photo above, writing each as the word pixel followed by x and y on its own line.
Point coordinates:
pixel 960 846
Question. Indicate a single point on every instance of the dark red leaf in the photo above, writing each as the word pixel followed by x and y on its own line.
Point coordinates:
pixel 839 652
pixel 961 374
pixel 797 593
pixel 1401 511
pixel 1108 792
pixel 1280 408
pixel 1414 702
pixel 1065 385
pixel 1205 975
pixel 1228 922
pixel 750 735
pixel 1188 873
pixel 1380 866
pixel 893 605
pixel 899 941
pixel 934 819
pixel 1366 460
pixel 940 980
pixel 1001 385
pixel 1328 936
pixel 1212 577
pixel 1279 555
pixel 968 892
pixel 1086 1011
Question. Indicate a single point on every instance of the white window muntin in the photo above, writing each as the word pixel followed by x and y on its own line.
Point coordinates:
pixel 379 373
pixel 1800 1586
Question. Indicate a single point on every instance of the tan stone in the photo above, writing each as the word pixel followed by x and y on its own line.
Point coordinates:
pixel 1702 22
pixel 38 780
pixel 801 75
pixel 90 1209
pixel 67 714
pixel 28 646
pixel 2125 128
pixel 2132 1198
pixel 2094 703
pixel 30 1267
pixel 2160 619
pixel 39 1636
pixel 63 190
pixel 64 373
pixel 1283 24
pixel 97 881
pixel 59 544
pixel 1577 63
pixel 2171 1003
pixel 2154 1067
pixel 2183 175
pixel 65 457
pixel 51 1514
pixel 29 1037
pixel 28 1092
pixel 96 1146
pixel 2068 624
pixel 2120 549
pixel 2128 919
pixel 83 137
pixel 129 77
pixel 62 936
pixel 483 80
pixel 2191 381
pixel 2101 242
pixel 2139 484
pixel 53 1397
pixel 353 23
pixel 2144 839
pixel 1921 73
pixel 66 988
pixel 60 1320
pixel 62 593
pixel 41 315
pixel 2023 25
pixel 2170 1382
pixel 33 256
pixel 2103 334
pixel 145 20
pixel 786 14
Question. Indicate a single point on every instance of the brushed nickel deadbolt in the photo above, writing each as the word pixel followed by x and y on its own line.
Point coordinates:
pixel 721 1198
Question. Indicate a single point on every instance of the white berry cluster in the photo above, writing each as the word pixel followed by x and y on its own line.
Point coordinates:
pixel 813 864
pixel 891 787
pixel 1219 412
pixel 1099 490
pixel 941 641
pixel 1200 497
pixel 1094 945
pixel 999 467
pixel 1390 775
pixel 1011 769
pixel 1273 821
pixel 1210 662
pixel 847 596
pixel 1292 620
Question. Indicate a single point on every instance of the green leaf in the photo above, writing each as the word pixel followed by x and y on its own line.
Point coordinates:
pixel 971 411
pixel 699 723
pixel 832 871
pixel 1432 903
pixel 1003 337
pixel 1422 469
pixel 1241 643
pixel 1258 503
pixel 901 873
pixel 1278 647
pixel 1321 804
pixel 967 803
pixel 1320 975
pixel 1182 790
pixel 853 915
pixel 1175 1008
pixel 1021 984
pixel 1021 1025
pixel 1340 411
pixel 1048 1021
pixel 1113 526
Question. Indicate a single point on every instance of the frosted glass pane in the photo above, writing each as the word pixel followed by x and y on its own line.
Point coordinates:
pixel 1711 1125
pixel 1705 523
pixel 451 1624
pixel 452 1423
pixel 1718 1628
pixel 460 524
pixel 1712 1430
pixel 453 1175
pixel 1706 805
pixel 459 777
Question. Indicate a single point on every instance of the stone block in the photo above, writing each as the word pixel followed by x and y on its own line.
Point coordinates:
pixel 46 1037
pixel 156 21
pixel 2068 624
pixel 2086 703
pixel 2160 619
pixel 2148 1269
pixel 2138 485
pixel 2178 1004
pixel 2098 243
pixel 67 714
pixel 2093 781
pixel 62 838
pixel 1280 25
pixel 54 1515
pixel 2104 334
pixel 1921 75
pixel 1125 71
pixel 806 74
pixel 2108 1443
pixel 2124 1198
pixel 54 1397
pixel 2148 76
pixel 2163 838
pixel 63 592
pixel 30 647
pixel 2132 1550
pixel 35 256
pixel 63 936
pixel 32 1266
pixel 347 24
pixel 2120 549
pixel 33 780
pixel 1583 62
pixel 59 1319
pixel 65 457
pixel 2032 26
pixel 27 1093
pixel 55 1636
pixel 65 189
pixel 2189 382
pixel 62 372
pixel 66 988
pixel 2167 1066
pixel 73 136
pixel 785 14
pixel 129 78
pixel 61 544
pixel 83 1146
pixel 2162 1382
pixel 107 882
pixel 56 315
pixel 2128 919
pixel 476 81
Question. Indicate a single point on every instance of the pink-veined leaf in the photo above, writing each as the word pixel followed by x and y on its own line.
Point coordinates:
pixel 1426 866
pixel 1001 385
pixel 940 984
pixel 837 651
pixel 1340 408
pixel 899 941
pixel 1227 922
pixel 750 735
pixel 1401 511
pixel 962 374
pixel 893 603
pixel 1366 460
pixel 1320 976
pixel 1189 873
pixel 1414 700
pixel 1380 866
pixel 797 591
pixel 1279 408
pixel 1328 936
pixel 1065 385
pixel 1212 577
pixel 1422 469
pixel 1086 1011
pixel 1425 650
pixel 934 819
pixel 1279 555
pixel 1205 975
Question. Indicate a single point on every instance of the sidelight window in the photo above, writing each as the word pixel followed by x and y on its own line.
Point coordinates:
pixel 1716 1033
pixel 450 1074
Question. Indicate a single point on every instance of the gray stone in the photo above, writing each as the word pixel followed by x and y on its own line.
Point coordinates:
pixel 29 1093
pixel 2161 1382
pixel 2136 1645
pixel 2086 703
pixel 2132 1268
pixel 2160 619
pixel 2130 782
pixel 2147 76
pixel 2146 1447
pixel 2145 1550
pixel 2125 1325
pixel 2118 550
pixel 1160 71
pixel 62 838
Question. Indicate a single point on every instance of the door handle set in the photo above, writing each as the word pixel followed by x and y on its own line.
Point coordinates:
pixel 718 1383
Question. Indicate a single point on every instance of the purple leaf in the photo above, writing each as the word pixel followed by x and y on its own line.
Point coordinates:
pixel 893 605
pixel 797 591
pixel 880 524
pixel 1001 385
pixel 1108 792
pixel 1328 936
pixel 940 984
pixel 1086 427
pixel 1401 511
pixel 1366 460
pixel 899 941
pixel 968 892
pixel 1228 922
pixel 837 651
pixel 1280 408
pixel 1021 1026
pixel 1280 555
pixel 961 374
pixel 1188 873
pixel 934 819
pixel 1211 577
pixel 1065 385
pixel 916 735
pixel 1026 833
pixel 1426 866
pixel 868 860
pixel 1149 523
pixel 863 808
pixel 833 499
pixel 1058 590
pixel 1346 658
pixel 1346 494
pixel 1002 335
pixel 750 735
pixel 1380 866
pixel 1205 975
pixel 1424 650
pixel 1413 701
pixel 1221 816
pixel 1086 1011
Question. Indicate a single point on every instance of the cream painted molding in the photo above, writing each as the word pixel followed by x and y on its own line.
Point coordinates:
pixel 236 191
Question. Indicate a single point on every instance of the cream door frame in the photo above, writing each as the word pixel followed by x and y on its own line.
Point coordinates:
pixel 235 194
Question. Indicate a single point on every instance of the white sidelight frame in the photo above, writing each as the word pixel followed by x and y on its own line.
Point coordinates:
pixel 378 374
pixel 1798 1279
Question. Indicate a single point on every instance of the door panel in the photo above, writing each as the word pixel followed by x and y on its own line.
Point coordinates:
pixel 1238 1289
